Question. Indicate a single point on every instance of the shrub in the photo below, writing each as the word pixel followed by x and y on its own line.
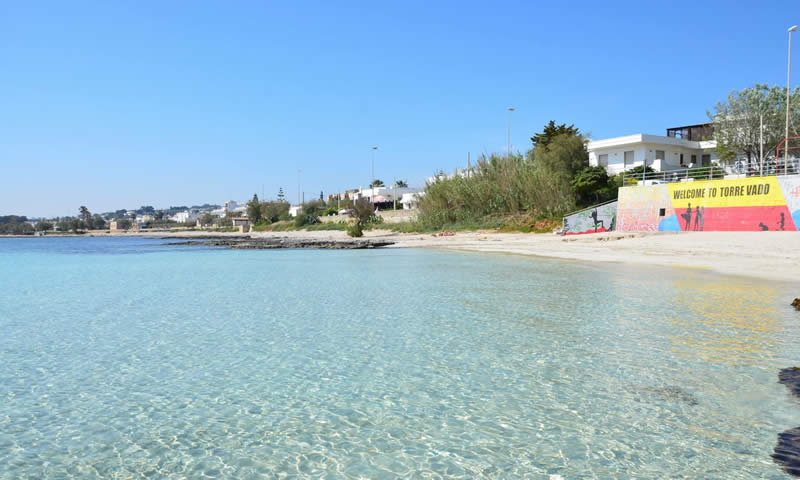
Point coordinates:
pixel 354 230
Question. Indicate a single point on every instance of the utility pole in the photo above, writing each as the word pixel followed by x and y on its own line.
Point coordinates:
pixel 761 143
pixel 508 130
pixel 298 186
pixel 788 97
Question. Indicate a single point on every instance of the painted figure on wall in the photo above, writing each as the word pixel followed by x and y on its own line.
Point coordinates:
pixel 596 221
pixel 688 217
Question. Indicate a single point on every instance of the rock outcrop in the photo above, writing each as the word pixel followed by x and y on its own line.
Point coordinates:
pixel 265 243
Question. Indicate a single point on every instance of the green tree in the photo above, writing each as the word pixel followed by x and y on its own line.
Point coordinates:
pixel 551 130
pixel 274 211
pixel 281 195
pixel 376 183
pixel 206 219
pixel 123 223
pixel 44 226
pixel 401 184
pixel 363 214
pixel 591 185
pixel 159 215
pixel 97 222
pixel 254 209
pixel 85 214
pixel 737 121
pixel 564 154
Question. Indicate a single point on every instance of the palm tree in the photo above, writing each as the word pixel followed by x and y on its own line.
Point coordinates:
pixel 401 184
pixel 376 183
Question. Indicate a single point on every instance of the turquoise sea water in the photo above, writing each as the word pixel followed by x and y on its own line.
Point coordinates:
pixel 123 358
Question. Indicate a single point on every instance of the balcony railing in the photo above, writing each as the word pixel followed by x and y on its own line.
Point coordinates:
pixel 707 173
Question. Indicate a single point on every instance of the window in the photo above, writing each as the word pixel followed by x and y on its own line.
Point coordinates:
pixel 659 154
pixel 694 160
pixel 706 160
pixel 628 158
pixel 602 160
pixel 662 212
pixel 682 164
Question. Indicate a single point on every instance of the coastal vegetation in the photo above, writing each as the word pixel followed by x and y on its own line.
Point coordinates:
pixel 552 178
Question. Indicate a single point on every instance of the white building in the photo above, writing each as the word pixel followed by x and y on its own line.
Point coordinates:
pixel 294 210
pixel 411 200
pixel 185 216
pixel 385 194
pixel 682 147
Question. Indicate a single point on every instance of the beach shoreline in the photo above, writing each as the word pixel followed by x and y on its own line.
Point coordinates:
pixel 763 255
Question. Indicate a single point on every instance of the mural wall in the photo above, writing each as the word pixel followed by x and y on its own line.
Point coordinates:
pixel 602 218
pixel 742 204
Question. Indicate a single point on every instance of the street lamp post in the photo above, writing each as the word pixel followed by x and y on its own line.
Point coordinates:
pixel 372 185
pixel 508 130
pixel 788 96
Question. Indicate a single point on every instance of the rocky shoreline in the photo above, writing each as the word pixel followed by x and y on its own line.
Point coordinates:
pixel 267 243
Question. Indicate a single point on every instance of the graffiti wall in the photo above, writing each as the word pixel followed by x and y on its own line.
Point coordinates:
pixel 602 218
pixel 641 209
pixel 742 204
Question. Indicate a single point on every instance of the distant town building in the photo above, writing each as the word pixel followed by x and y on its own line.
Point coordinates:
pixel 185 216
pixel 410 201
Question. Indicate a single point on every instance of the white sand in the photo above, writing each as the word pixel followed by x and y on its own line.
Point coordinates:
pixel 765 255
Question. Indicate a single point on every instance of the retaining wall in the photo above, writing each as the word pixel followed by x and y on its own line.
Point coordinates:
pixel 601 218
pixel 742 204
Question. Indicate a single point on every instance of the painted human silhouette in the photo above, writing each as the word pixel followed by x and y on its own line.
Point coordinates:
pixel 596 221
pixel 697 217
pixel 782 222
pixel 702 217
pixel 763 227
pixel 688 217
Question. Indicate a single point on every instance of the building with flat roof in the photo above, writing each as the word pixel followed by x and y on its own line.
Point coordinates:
pixel 681 147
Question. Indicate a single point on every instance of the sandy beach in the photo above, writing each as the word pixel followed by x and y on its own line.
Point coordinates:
pixel 765 255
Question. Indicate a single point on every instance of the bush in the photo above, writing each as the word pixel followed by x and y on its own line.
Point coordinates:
pixel 354 230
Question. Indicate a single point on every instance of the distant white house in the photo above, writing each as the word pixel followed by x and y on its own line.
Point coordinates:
pixel 294 210
pixel 185 216
pixel 385 194
pixel 682 147
pixel 411 200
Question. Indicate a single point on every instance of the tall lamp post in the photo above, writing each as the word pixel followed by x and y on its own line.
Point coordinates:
pixel 299 171
pixel 508 131
pixel 372 185
pixel 788 96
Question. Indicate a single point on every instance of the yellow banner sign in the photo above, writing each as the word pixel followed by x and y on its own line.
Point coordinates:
pixel 739 192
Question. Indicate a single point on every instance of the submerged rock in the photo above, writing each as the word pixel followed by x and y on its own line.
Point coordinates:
pixel 791 378
pixel 787 451
pixel 673 393
pixel 796 303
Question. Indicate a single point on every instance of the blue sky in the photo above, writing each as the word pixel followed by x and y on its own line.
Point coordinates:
pixel 122 104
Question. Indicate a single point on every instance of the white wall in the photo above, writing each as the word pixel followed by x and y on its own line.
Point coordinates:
pixel 647 152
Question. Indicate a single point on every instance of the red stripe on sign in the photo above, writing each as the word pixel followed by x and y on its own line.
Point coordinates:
pixel 736 219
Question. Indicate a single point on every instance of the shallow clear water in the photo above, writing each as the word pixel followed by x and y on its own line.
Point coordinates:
pixel 122 358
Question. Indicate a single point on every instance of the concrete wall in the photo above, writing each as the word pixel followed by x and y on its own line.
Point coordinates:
pixel 741 204
pixel 389 216
pixel 597 219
